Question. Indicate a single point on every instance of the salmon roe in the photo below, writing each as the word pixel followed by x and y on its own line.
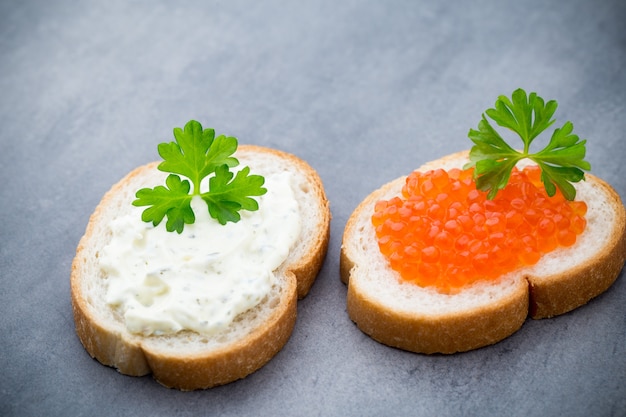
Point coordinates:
pixel 443 232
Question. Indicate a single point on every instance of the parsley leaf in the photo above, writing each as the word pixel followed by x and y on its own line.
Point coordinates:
pixel 198 154
pixel 228 197
pixel 173 201
pixel 561 161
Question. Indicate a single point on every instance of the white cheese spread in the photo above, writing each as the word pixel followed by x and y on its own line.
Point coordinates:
pixel 164 282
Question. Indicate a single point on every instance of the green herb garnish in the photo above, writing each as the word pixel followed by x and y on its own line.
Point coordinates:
pixel 561 161
pixel 196 154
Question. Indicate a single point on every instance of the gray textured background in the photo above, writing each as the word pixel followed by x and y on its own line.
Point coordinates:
pixel 364 91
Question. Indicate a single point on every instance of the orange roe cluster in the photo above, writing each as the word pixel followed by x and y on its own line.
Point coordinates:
pixel 444 232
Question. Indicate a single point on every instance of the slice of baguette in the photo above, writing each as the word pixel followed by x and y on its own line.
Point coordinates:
pixel 188 360
pixel 422 320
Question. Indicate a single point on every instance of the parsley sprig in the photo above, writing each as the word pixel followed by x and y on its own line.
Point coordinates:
pixel 561 160
pixel 197 154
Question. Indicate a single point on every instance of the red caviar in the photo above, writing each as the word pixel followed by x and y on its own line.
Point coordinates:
pixel 445 233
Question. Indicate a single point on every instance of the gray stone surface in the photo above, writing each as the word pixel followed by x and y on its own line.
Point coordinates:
pixel 364 91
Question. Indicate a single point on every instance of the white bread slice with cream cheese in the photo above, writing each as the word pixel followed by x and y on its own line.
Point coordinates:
pixel 422 320
pixel 187 360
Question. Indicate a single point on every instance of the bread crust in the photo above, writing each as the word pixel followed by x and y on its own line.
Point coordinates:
pixel 135 355
pixel 560 293
pixel 450 333
pixel 463 329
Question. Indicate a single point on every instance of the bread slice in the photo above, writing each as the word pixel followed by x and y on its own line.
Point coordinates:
pixel 188 360
pixel 423 320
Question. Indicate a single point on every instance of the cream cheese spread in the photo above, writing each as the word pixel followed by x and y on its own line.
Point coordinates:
pixel 164 282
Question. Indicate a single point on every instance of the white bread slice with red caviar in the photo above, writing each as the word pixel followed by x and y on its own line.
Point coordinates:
pixel 423 320
pixel 188 360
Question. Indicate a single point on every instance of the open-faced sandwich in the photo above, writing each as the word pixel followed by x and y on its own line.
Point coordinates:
pixel 456 255
pixel 190 268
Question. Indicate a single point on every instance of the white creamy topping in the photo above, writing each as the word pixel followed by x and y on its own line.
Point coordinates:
pixel 163 282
